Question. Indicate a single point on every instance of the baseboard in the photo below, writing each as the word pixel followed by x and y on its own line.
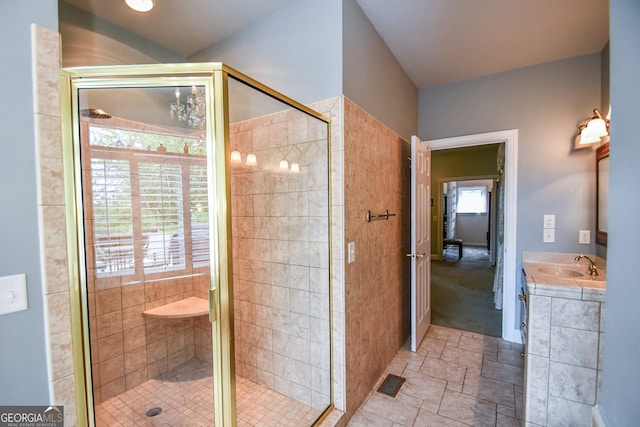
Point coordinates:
pixel 512 335
pixel 596 418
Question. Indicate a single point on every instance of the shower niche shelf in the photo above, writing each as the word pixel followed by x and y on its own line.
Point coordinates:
pixel 188 307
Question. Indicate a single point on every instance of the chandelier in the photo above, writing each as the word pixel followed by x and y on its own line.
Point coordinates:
pixel 193 112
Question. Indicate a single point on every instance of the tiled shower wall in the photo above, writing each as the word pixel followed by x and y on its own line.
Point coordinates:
pixel 280 224
pixel 377 284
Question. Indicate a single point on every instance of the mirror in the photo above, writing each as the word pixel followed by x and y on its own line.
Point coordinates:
pixel 602 193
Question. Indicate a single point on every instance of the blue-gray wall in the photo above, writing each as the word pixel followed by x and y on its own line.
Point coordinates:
pixel 309 51
pixel 373 77
pixel 545 103
pixel 619 399
pixel 23 363
pixel 297 50
pixel 89 40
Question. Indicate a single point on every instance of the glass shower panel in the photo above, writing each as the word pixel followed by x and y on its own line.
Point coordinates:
pixel 280 226
pixel 147 253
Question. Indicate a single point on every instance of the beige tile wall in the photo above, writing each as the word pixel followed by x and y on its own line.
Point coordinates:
pixel 377 284
pixel 280 225
pixel 51 210
pixel 128 348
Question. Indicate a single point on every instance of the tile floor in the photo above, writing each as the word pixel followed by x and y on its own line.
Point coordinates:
pixel 185 396
pixel 456 378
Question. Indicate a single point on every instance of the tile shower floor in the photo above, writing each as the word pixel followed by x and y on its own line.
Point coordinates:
pixel 185 395
pixel 456 378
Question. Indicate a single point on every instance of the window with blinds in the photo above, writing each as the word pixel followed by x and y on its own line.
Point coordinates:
pixel 113 219
pixel 143 198
pixel 199 209
pixel 161 216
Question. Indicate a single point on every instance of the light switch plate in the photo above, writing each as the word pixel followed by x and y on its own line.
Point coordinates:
pixel 549 221
pixel 13 293
pixel 549 235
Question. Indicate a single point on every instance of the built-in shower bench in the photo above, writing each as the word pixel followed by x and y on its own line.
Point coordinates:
pixel 188 307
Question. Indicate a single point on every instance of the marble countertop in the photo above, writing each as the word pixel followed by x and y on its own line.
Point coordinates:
pixel 584 287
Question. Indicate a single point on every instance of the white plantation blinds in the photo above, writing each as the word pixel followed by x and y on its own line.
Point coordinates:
pixel 113 223
pixel 199 209
pixel 151 210
pixel 161 215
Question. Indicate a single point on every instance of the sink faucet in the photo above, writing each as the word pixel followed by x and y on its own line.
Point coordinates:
pixel 593 270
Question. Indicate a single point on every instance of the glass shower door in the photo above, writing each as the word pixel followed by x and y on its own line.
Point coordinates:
pixel 147 228
pixel 279 178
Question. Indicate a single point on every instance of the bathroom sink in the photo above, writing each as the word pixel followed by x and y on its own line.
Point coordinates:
pixel 560 272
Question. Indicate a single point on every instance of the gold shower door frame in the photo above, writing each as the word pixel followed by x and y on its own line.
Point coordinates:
pixel 220 302
pixel 214 77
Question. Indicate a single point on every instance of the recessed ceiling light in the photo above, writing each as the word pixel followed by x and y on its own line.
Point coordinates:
pixel 140 5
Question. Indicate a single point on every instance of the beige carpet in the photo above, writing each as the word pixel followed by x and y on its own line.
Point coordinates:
pixel 462 292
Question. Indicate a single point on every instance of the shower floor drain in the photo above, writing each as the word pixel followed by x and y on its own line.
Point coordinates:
pixel 154 411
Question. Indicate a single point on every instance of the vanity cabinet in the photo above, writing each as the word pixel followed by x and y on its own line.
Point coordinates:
pixel 563 346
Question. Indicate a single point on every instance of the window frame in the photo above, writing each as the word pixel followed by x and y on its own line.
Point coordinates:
pixel 135 157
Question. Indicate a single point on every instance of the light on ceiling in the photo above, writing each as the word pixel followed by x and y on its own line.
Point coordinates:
pixel 592 130
pixel 295 167
pixel 140 5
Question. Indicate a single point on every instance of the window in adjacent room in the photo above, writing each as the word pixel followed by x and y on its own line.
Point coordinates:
pixel 472 200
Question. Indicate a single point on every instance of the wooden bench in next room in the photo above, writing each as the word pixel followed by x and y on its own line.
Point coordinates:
pixel 455 242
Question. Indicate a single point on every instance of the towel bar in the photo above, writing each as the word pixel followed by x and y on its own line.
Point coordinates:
pixel 385 215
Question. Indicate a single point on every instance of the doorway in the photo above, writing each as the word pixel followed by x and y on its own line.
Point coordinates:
pixel 463 277
pixel 509 138
pixel 203 266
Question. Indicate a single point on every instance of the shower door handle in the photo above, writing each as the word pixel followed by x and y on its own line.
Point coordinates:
pixel 212 305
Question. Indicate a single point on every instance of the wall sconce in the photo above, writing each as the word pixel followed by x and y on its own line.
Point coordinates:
pixel 592 130
pixel 284 165
pixel 295 167
pixel 251 160
pixel 236 157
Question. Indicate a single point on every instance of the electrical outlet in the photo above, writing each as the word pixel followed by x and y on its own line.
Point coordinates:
pixel 549 221
pixel 549 235
pixel 584 237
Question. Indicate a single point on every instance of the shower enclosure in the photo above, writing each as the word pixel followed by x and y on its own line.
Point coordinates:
pixel 201 248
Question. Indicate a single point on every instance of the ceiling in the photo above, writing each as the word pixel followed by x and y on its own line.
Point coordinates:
pixel 435 41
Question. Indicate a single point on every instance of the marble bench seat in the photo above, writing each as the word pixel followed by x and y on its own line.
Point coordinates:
pixel 188 307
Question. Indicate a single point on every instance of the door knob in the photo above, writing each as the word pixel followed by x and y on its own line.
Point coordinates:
pixel 416 255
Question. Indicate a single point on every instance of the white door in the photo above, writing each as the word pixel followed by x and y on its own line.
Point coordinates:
pixel 420 241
